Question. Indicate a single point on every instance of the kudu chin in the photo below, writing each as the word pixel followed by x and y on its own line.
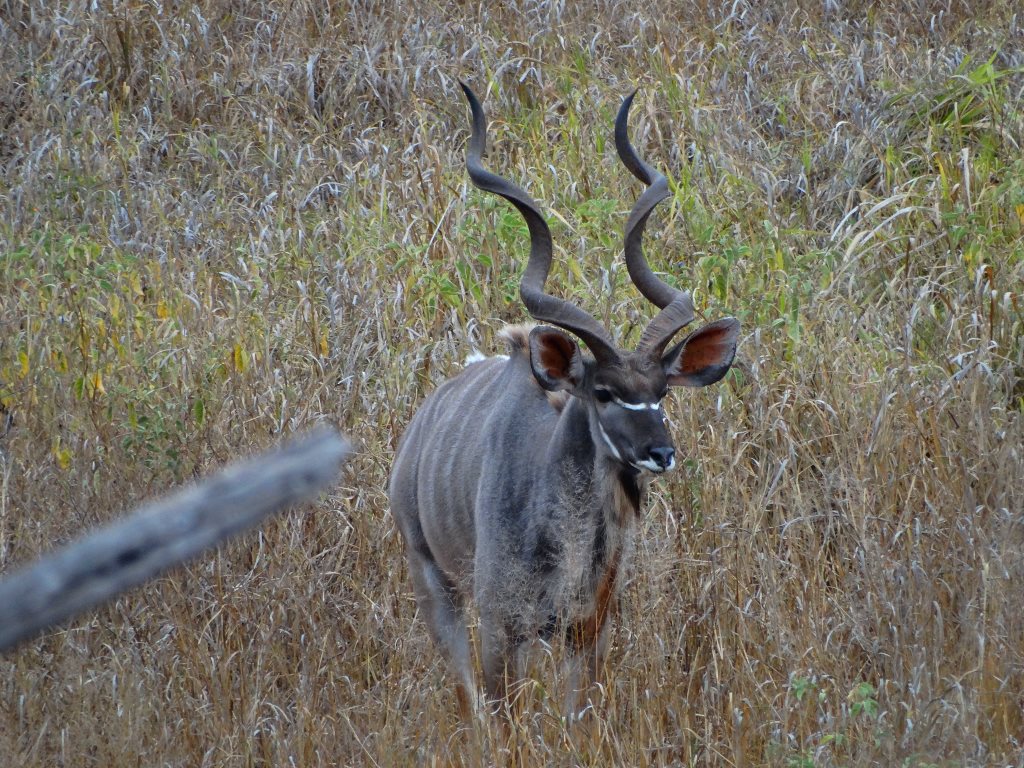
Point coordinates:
pixel 519 481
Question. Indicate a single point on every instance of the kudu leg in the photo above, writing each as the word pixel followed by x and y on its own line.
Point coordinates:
pixel 587 653
pixel 503 652
pixel 444 611
pixel 496 657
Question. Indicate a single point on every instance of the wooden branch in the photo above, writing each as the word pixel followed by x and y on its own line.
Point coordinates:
pixel 165 533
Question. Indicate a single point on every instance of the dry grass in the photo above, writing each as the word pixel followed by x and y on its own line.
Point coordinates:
pixel 224 221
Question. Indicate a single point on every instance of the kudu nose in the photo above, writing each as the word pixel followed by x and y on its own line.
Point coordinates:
pixel 663 455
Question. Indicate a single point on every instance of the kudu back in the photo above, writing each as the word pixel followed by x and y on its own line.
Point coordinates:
pixel 518 483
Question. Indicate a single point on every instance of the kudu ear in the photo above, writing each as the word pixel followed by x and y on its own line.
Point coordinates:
pixel 704 356
pixel 555 358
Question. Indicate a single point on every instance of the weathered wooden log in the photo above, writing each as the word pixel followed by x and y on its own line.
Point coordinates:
pixel 164 533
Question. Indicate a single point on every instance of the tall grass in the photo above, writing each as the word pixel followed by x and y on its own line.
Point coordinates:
pixel 224 221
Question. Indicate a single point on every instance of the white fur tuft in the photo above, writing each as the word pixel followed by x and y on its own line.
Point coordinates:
pixel 476 356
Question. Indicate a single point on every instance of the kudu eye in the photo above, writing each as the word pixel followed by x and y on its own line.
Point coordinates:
pixel 602 395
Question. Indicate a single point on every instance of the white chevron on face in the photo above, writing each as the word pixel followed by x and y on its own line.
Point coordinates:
pixel 637 406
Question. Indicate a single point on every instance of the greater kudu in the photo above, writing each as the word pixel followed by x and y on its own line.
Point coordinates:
pixel 519 481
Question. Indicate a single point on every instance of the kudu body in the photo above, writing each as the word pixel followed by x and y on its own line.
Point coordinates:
pixel 519 481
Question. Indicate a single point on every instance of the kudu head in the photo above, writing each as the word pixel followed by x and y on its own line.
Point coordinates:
pixel 622 390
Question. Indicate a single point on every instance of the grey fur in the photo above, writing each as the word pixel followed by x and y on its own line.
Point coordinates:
pixel 519 481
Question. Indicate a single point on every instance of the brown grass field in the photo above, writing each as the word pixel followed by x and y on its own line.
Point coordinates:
pixel 224 222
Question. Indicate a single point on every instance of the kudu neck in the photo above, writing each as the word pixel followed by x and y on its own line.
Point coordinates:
pixel 582 468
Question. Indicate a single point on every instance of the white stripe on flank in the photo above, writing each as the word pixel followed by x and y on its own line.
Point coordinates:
pixel 637 406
